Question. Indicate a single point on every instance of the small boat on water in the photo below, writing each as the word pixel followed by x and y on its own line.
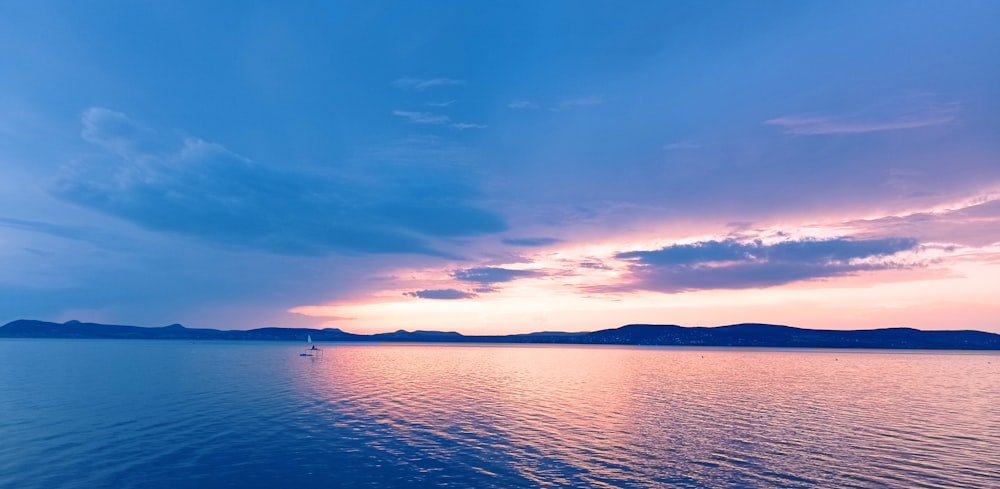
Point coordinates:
pixel 312 351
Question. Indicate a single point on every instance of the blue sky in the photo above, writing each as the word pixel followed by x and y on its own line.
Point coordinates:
pixel 501 166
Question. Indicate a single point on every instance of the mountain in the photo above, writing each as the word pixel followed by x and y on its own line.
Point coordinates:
pixel 736 335
pixel 419 336
pixel 768 335
pixel 26 328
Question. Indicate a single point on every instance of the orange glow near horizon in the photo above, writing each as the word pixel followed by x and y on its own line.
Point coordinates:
pixel 941 286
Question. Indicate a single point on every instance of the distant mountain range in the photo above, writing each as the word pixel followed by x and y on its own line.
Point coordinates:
pixel 739 335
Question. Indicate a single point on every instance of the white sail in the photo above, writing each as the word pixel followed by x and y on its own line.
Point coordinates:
pixel 309 338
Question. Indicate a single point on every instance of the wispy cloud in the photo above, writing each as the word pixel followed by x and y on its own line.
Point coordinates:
pixel 679 145
pixel 530 241
pixel 435 119
pixel 731 264
pixel 421 117
pixel 912 112
pixel 973 224
pixel 441 294
pixel 466 125
pixel 440 104
pixel 593 265
pixel 490 275
pixel 79 233
pixel 815 125
pixel 425 148
pixel 564 104
pixel 522 104
pixel 58 230
pixel 421 84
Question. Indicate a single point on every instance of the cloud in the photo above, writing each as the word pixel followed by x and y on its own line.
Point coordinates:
pixel 814 125
pixel 57 230
pixel 421 117
pixel 522 104
pixel 975 224
pixel 184 185
pixel 490 275
pixel 429 118
pixel 730 264
pixel 442 294
pixel 910 112
pixel 421 84
pixel 440 104
pixel 422 149
pixel 565 104
pixel 466 125
pixel 681 145
pixel 530 241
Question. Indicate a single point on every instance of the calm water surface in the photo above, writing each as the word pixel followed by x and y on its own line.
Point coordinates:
pixel 165 414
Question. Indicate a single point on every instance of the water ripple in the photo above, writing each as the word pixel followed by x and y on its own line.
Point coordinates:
pixel 186 415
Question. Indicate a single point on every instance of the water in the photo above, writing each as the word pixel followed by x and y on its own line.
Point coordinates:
pixel 166 414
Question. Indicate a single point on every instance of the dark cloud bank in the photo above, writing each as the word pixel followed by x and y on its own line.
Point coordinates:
pixel 166 182
pixel 730 264
pixel 444 294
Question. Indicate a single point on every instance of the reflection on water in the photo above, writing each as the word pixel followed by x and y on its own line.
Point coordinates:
pixel 175 414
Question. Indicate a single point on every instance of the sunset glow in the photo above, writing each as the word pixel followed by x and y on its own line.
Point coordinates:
pixel 585 286
pixel 494 169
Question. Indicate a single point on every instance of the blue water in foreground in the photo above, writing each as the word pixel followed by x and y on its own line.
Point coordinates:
pixel 174 414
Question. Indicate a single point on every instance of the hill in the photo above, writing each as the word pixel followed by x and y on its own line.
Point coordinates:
pixel 737 335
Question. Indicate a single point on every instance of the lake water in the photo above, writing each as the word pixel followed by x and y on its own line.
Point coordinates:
pixel 174 414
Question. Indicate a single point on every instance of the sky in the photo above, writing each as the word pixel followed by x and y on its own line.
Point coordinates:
pixel 501 167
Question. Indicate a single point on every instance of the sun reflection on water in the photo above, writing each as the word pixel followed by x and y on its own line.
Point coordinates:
pixel 558 416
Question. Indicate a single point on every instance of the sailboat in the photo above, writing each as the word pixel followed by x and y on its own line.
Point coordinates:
pixel 312 351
